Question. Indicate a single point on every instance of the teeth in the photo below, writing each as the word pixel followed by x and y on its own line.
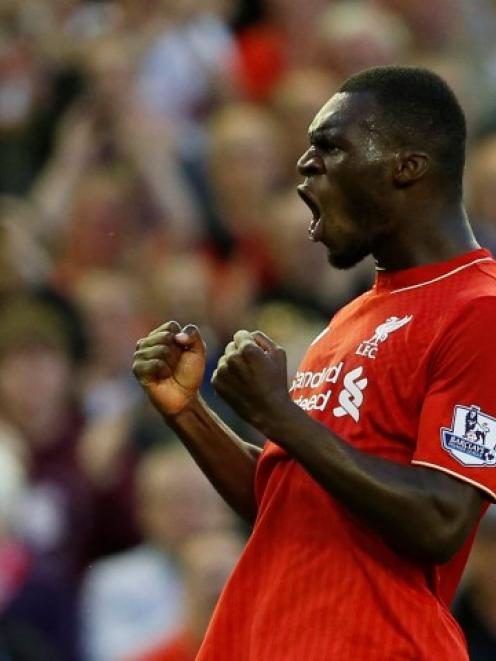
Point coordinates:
pixel 312 230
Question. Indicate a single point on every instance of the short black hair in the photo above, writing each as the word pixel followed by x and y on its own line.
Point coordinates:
pixel 421 111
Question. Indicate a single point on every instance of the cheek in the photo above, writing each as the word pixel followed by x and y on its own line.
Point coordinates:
pixel 364 205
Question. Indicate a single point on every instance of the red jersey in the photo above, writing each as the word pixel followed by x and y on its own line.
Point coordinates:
pixel 405 372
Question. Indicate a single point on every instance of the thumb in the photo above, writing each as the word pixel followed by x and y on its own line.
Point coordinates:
pixel 189 338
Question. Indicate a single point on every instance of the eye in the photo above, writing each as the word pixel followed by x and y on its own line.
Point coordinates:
pixel 326 145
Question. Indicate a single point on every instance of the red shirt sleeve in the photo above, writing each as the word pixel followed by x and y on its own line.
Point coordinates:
pixel 457 429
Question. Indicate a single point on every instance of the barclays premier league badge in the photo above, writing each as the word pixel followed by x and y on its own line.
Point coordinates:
pixel 472 437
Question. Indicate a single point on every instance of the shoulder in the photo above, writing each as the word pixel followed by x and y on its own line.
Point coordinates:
pixel 477 280
pixel 467 331
pixel 474 311
pixel 466 301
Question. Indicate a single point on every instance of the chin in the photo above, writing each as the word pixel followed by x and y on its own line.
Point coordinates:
pixel 346 259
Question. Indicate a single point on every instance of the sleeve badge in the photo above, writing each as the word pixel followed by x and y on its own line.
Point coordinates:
pixel 472 437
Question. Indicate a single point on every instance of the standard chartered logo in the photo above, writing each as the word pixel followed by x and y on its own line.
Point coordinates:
pixel 351 397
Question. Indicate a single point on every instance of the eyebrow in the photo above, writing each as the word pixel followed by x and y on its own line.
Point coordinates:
pixel 322 132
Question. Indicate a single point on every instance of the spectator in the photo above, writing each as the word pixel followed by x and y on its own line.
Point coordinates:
pixel 18 640
pixel 356 35
pixel 187 66
pixel 108 129
pixel 151 147
pixel 241 192
pixel 206 560
pixel 109 300
pixel 295 101
pixel 132 600
pixel 54 516
pixel 435 25
pixel 24 259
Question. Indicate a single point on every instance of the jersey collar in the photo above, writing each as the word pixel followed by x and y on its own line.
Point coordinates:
pixel 419 276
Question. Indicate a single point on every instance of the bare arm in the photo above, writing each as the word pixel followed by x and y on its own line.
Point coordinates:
pixel 149 142
pixel 169 365
pixel 417 510
pixel 227 461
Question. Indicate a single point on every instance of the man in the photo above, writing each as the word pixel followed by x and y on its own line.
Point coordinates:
pixel 206 559
pixel 366 497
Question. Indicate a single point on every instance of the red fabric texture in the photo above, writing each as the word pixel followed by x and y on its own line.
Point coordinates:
pixel 314 582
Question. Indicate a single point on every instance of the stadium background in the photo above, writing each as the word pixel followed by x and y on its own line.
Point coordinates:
pixel 147 154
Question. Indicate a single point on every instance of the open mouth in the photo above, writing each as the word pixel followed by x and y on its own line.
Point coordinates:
pixel 315 227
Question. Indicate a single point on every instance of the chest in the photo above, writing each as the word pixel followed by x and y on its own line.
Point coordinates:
pixel 366 375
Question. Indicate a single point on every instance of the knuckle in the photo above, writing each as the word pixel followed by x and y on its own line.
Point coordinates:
pixel 232 358
pixel 240 335
pixel 248 349
pixel 218 384
pixel 159 338
pixel 171 325
pixel 154 352
pixel 222 364
pixel 139 370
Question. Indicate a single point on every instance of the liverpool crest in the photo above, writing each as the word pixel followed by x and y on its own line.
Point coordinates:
pixel 370 347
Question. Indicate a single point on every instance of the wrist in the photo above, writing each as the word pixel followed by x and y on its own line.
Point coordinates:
pixel 280 420
pixel 193 407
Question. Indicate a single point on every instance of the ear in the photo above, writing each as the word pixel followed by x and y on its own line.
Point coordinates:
pixel 410 167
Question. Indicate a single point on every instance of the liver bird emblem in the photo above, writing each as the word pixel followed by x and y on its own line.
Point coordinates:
pixel 383 331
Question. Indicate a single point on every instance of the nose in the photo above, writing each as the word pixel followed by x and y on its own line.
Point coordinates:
pixel 310 163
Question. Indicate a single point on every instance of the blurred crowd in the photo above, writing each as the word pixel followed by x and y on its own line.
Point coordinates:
pixel 147 173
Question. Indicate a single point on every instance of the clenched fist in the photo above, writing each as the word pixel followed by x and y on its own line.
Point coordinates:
pixel 252 377
pixel 169 364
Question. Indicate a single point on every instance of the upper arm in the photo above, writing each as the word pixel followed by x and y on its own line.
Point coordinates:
pixel 459 506
pixel 456 441
pixel 457 428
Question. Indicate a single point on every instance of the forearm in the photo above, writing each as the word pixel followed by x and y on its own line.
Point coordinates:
pixel 406 505
pixel 227 461
pixel 176 201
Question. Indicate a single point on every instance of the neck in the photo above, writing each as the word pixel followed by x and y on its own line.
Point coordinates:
pixel 426 238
